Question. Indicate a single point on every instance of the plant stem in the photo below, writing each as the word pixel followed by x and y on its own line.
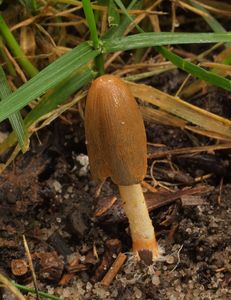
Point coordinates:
pixel 89 14
pixel 9 65
pixel 30 290
pixel 16 50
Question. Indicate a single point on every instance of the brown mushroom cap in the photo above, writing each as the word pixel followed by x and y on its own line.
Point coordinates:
pixel 115 133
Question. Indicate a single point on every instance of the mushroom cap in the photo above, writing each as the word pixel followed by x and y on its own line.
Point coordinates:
pixel 115 133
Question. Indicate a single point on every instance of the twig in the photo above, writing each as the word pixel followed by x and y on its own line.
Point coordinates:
pixel 31 267
pixel 189 150
pixel 178 261
pixel 114 269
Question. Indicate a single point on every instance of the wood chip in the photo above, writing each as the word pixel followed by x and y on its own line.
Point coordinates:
pixel 190 200
pixel 112 248
pixel 114 269
pixel 106 204
pixel 19 267
pixel 66 278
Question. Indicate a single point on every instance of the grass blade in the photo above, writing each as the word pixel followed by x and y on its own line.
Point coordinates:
pixel 182 109
pixel 59 95
pixel 47 78
pixel 124 22
pixel 30 290
pixel 195 70
pixel 212 22
pixel 155 39
pixel 56 97
pixel 9 66
pixel 5 282
pixel 124 10
pixel 113 15
pixel 16 50
pixel 91 22
pixel 151 39
pixel 94 35
pixel 15 119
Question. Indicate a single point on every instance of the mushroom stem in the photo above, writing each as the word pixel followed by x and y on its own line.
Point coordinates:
pixel 142 231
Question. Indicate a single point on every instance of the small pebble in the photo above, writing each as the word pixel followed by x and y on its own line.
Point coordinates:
pixel 88 286
pixel 170 259
pixel 82 258
pixel 57 186
pixel 155 280
pixel 70 189
pixel 137 293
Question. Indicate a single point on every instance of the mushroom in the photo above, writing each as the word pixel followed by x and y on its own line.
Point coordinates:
pixel 117 148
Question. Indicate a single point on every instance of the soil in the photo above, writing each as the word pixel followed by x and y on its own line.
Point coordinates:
pixel 48 195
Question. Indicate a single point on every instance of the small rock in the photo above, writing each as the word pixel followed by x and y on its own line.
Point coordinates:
pixel 100 292
pixel 155 280
pixel 170 259
pixel 137 293
pixel 77 222
pixel 88 286
pixel 57 186
pixel 83 160
pixel 70 189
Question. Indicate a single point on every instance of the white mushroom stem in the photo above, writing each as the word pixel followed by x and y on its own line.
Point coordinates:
pixel 142 231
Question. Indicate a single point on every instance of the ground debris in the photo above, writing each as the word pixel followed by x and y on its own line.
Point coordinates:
pixel 114 269
pixel 112 249
pixel 170 175
pixel 19 267
pixel 49 266
pixel 59 244
pixel 114 213
pixel 5 243
pixel 206 162
pixel 19 186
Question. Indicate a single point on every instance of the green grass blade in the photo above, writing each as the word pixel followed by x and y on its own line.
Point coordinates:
pixel 47 78
pixel 9 66
pixel 94 35
pixel 59 95
pixel 16 50
pixel 113 15
pixel 15 119
pixel 124 10
pixel 156 39
pixel 30 4
pixel 150 39
pixel 15 294
pixel 214 25
pixel 227 60
pixel 56 97
pixel 212 22
pixel 195 70
pixel 91 22
pixel 125 21
pixel 30 290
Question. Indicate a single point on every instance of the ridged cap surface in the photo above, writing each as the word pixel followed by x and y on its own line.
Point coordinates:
pixel 115 133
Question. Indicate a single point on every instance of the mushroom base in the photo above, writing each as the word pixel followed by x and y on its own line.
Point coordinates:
pixel 142 231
